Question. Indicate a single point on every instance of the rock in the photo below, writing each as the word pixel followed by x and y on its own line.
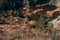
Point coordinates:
pixel 58 3
pixel 56 23
pixel 55 2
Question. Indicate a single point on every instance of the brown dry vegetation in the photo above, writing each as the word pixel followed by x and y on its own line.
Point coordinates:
pixel 17 28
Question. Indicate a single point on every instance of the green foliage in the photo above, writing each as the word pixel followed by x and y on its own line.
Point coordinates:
pixel 49 7
pixel 42 21
pixel 42 18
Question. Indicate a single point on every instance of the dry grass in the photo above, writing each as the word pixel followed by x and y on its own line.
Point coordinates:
pixel 22 28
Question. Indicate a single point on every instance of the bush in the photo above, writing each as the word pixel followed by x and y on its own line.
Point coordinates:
pixel 42 21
